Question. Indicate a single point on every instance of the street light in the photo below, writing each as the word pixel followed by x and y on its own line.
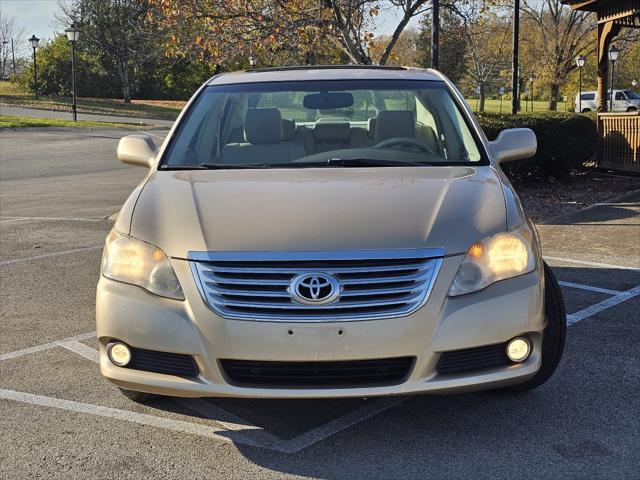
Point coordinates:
pixel 72 35
pixel 252 61
pixel 34 44
pixel 531 79
pixel 5 54
pixel 13 58
pixel 580 60
pixel 634 83
pixel 614 54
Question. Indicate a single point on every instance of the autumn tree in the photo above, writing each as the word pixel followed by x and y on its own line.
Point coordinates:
pixel 225 29
pixel 556 37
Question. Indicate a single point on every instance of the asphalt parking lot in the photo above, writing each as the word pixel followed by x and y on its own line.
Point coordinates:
pixel 60 419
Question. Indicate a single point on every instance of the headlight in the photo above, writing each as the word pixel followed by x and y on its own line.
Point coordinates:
pixel 502 256
pixel 128 260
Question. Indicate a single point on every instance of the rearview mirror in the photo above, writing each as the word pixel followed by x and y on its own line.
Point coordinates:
pixel 328 100
pixel 515 144
pixel 139 150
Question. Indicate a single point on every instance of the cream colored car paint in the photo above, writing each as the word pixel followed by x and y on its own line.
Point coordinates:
pixel 322 209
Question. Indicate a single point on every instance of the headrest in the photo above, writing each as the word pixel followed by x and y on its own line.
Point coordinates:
pixel 332 131
pixel 392 124
pixel 263 125
pixel 371 127
pixel 288 130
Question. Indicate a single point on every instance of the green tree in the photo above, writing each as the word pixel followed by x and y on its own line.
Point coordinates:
pixel 121 32
pixel 453 45
pixel 54 72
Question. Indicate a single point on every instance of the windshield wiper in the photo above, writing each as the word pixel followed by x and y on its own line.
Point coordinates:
pixel 372 162
pixel 330 162
pixel 232 166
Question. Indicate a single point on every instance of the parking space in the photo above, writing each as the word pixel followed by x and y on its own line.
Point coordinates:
pixel 61 419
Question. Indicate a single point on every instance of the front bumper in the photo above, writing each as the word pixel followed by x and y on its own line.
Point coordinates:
pixel 494 315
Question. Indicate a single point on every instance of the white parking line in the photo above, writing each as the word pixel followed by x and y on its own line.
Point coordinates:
pixel 47 346
pixel 13 220
pixel 241 430
pixel 52 254
pixel 605 304
pixel 82 350
pixel 128 416
pixel 233 428
pixel 337 425
pixel 51 219
pixel 229 421
pixel 591 264
pixel 589 288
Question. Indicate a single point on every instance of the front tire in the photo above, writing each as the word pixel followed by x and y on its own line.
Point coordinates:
pixel 554 335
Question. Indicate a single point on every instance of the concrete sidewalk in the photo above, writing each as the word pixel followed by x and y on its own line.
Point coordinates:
pixel 92 117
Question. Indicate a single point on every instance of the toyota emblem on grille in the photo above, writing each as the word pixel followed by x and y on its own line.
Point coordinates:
pixel 314 289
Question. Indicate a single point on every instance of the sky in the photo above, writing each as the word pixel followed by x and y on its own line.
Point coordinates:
pixel 37 17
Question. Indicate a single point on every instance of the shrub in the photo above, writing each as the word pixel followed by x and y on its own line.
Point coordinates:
pixel 54 72
pixel 565 142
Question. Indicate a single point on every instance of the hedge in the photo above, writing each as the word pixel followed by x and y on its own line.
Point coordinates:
pixel 565 142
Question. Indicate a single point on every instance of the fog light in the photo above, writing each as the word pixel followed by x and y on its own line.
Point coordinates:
pixel 518 349
pixel 119 353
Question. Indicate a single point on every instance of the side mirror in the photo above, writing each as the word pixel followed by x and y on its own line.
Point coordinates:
pixel 515 144
pixel 139 150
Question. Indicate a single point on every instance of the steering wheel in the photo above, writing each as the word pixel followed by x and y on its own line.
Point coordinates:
pixel 405 141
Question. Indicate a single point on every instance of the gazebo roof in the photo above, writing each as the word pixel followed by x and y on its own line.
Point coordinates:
pixel 623 12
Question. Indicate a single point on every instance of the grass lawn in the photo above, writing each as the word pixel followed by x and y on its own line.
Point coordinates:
pixel 12 94
pixel 493 106
pixel 10 121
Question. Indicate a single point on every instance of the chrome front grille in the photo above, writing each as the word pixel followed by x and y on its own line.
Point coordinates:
pixel 374 284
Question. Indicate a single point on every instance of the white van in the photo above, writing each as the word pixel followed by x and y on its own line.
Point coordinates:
pixel 624 101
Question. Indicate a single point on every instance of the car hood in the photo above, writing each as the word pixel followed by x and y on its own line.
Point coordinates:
pixel 314 209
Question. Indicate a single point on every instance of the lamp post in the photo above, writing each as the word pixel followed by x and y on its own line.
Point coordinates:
pixel 634 83
pixel 580 63
pixel 614 54
pixel 252 61
pixel 515 69
pixel 34 44
pixel 72 35
pixel 531 79
pixel 13 58
pixel 5 54
pixel 435 34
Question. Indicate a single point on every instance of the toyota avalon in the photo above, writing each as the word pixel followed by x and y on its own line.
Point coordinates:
pixel 326 232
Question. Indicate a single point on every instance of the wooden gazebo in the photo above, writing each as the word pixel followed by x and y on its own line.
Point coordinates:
pixel 619 133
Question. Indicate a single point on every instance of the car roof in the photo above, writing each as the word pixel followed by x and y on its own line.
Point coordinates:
pixel 326 72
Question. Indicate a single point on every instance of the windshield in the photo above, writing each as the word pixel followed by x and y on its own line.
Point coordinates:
pixel 631 95
pixel 323 123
